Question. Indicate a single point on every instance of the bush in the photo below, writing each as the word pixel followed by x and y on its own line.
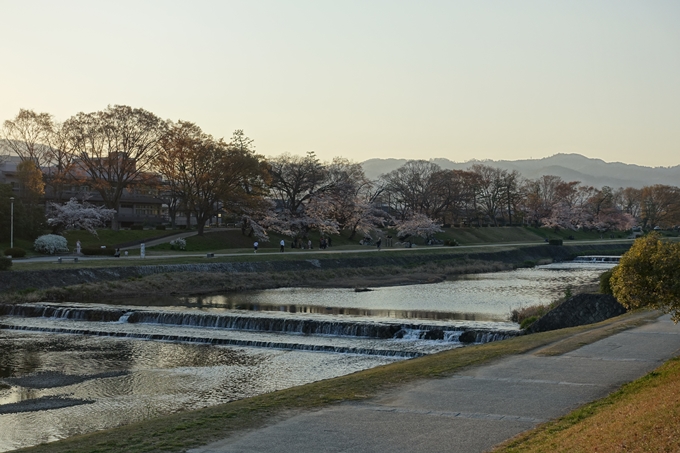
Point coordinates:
pixel 605 285
pixel 108 251
pixel 527 322
pixel 160 227
pixel 15 252
pixel 5 263
pixel 178 244
pixel 137 227
pixel 519 315
pixel 451 242
pixel 51 244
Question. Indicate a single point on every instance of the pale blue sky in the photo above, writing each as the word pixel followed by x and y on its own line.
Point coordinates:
pixel 362 79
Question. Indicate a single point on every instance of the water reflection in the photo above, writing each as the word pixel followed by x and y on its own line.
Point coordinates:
pixel 144 379
pixel 128 380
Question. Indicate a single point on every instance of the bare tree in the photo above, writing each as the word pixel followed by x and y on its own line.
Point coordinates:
pixel 27 135
pixel 115 149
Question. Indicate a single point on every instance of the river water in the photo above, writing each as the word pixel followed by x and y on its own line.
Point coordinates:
pixel 68 369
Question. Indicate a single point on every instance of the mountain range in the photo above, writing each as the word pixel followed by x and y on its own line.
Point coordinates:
pixel 569 167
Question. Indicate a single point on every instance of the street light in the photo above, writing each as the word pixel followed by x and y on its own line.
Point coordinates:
pixel 11 222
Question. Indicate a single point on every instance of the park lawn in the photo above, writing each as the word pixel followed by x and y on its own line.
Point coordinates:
pixel 488 235
pixel 640 417
pixel 111 238
pixel 20 243
pixel 578 235
pixel 234 240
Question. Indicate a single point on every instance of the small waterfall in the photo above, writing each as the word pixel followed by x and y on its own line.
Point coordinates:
pixel 222 341
pixel 262 323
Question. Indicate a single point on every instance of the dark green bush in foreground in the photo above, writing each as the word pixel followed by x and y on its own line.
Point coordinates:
pixel 5 263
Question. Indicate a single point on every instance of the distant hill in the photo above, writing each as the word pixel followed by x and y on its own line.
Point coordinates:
pixel 570 167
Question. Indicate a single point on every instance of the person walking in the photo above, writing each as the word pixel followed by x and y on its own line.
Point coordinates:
pixel 378 243
pixel 78 247
pixel 283 245
pixel 255 244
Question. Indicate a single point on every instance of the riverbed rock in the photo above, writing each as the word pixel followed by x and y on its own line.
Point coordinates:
pixel 577 311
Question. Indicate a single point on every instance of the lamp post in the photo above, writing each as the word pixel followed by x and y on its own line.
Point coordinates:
pixel 11 222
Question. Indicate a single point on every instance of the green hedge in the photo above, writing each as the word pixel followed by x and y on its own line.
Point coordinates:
pixel 15 252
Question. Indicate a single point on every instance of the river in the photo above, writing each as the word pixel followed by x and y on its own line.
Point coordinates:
pixel 67 369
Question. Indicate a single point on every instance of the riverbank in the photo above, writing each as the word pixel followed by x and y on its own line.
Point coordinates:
pixel 106 282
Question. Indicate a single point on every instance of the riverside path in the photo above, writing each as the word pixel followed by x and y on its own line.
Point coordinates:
pixel 474 409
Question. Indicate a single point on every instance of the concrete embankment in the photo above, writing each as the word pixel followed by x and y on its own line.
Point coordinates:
pixel 11 281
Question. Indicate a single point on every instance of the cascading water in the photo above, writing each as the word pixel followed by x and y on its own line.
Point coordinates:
pixel 69 369
pixel 205 328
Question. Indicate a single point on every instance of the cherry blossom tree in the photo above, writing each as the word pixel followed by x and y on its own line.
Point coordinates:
pixel 74 215
pixel 417 225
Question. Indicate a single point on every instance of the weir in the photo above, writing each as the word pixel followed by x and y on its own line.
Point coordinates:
pixel 291 326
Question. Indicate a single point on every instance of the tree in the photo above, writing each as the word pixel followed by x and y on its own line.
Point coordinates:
pixel 115 149
pixel 417 225
pixel 648 275
pixel 73 215
pixel 27 134
pixel 301 187
pixel 660 206
pixel 29 220
pixel 205 175
pixel 410 188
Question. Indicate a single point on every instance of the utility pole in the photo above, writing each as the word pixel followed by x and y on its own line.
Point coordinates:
pixel 11 222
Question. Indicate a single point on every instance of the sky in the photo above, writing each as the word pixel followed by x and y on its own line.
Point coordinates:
pixel 462 80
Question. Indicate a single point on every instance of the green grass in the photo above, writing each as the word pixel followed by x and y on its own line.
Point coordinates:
pixel 112 238
pixel 577 235
pixel 21 243
pixel 231 240
pixel 482 235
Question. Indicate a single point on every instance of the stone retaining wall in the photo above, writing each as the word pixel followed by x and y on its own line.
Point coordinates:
pixel 19 280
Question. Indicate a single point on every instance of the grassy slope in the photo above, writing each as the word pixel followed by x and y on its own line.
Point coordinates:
pixel 109 238
pixel 235 241
pixel 640 417
pixel 179 432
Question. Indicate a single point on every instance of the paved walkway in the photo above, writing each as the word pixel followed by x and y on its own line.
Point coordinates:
pixel 314 252
pixel 473 410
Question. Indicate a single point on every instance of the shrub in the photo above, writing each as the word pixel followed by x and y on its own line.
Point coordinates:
pixel 51 244
pixel 519 315
pixel 527 322
pixel 5 263
pixel 137 227
pixel 15 252
pixel 451 242
pixel 178 244
pixel 160 227
pixel 605 285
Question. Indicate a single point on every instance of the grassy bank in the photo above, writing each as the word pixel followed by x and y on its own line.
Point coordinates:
pixel 185 276
pixel 640 417
pixel 179 432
